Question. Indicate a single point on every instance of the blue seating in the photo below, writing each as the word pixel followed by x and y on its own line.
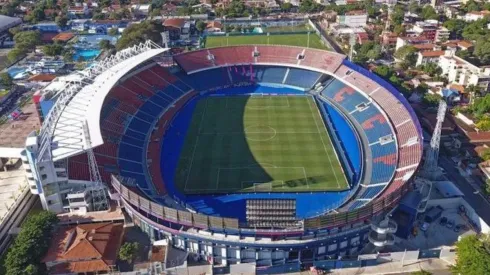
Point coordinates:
pixel 160 101
pixel 302 78
pixel 130 166
pixel 131 140
pixel 365 114
pixel 181 86
pixel 151 108
pixel 173 92
pixel 130 152
pixel 333 86
pixel 356 205
pixel 134 134
pixel 268 74
pixel 107 108
pixel 139 126
pixel 139 178
pixel 144 116
pixel 207 79
pixel 378 150
pixel 371 192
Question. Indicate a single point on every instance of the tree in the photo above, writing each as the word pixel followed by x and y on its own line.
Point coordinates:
pixel 431 69
pixel 428 12
pixel 406 54
pixel 53 49
pixel 98 16
pixel 309 6
pixel 481 105
pixel 27 40
pixel 399 30
pixel 31 244
pixel 200 26
pixel 374 53
pixel 384 71
pixel 398 15
pixel 6 79
pixel 128 251
pixel 286 6
pixel 105 44
pixel 473 256
pixel 483 124
pixel 431 99
pixel 113 31
pixel 61 21
pixel 13 31
pixel 155 12
pixel 482 49
pixel 68 56
pixel 15 54
pixel 455 26
pixel 138 33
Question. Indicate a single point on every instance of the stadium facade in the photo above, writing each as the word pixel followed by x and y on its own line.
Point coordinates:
pixel 126 112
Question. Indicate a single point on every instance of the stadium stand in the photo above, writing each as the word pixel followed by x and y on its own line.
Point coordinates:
pixel 301 78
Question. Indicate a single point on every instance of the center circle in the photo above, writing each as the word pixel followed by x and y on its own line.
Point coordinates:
pixel 260 133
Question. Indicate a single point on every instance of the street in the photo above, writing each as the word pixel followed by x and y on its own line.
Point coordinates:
pixel 477 201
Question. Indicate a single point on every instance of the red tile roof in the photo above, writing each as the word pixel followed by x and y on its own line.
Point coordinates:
pixel 432 53
pixel 42 77
pixel 64 36
pixel 85 247
pixel 174 22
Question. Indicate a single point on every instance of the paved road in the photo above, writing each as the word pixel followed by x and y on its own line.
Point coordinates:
pixel 477 201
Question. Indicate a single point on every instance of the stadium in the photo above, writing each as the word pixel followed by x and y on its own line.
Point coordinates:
pixel 278 156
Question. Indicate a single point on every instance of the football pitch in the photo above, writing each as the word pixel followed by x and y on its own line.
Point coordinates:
pixel 258 144
pixel 300 40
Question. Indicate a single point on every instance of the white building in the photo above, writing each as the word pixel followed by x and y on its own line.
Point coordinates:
pixel 474 15
pixel 462 72
pixel 354 19
pixel 425 57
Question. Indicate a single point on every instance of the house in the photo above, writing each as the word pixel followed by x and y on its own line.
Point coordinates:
pixel 84 248
pixel 214 26
pixel 389 38
pixel 424 57
pixel 403 41
pixel 355 18
pixel 474 15
pixel 178 28
pixel 63 37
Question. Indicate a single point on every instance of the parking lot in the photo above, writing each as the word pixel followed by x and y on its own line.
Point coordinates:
pixel 441 232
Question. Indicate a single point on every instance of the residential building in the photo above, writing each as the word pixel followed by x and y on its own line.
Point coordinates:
pixel 355 18
pixel 442 34
pixel 424 57
pixel 389 39
pixel 474 15
pixel 178 28
pixel 460 71
pixel 403 41
pixel 84 249
pixel 214 26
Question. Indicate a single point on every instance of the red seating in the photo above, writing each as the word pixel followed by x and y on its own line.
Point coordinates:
pixel 388 159
pixel 130 85
pixel 233 55
pixel 339 96
pixel 278 54
pixel 192 61
pixel 325 60
pixel 163 73
pixel 369 123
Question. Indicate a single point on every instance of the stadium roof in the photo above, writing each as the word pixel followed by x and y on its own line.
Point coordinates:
pixel 7 22
pixel 66 131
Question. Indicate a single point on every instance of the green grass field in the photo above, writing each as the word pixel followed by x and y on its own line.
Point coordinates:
pixel 286 39
pixel 258 144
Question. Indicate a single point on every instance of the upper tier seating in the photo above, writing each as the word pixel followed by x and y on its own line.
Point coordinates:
pixel 302 78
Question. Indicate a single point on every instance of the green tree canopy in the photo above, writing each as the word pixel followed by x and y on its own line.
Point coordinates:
pixel 431 99
pixel 407 54
pixel 105 44
pixel 61 20
pixel 6 79
pixel 128 251
pixel 286 6
pixel 15 54
pixel 455 26
pixel 53 49
pixel 481 105
pixel 482 49
pixel 431 69
pixel 27 40
pixel 384 71
pixel 138 33
pixel 31 244
pixel 428 12
pixel 473 255
pixel 200 26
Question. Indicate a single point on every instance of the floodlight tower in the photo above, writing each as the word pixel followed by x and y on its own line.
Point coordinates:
pixel 431 168
pixel 98 190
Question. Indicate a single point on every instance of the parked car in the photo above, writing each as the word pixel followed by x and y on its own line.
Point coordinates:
pixel 443 221
pixel 424 226
pixel 450 224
